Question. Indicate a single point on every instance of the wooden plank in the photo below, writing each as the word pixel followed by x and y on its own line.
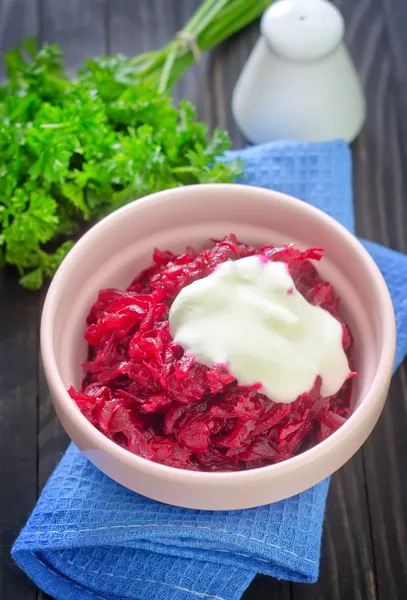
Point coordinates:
pixel 395 15
pixel 80 29
pixel 145 25
pixel 383 197
pixel 18 423
pixel 380 191
pixel 52 439
pixel 18 19
pixel 386 463
pixel 135 27
pixel 78 26
pixel 347 563
pixel 18 389
pixel 386 452
pixel 219 78
pixel 267 588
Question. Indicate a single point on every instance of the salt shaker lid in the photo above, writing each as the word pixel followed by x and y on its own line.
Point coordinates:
pixel 302 30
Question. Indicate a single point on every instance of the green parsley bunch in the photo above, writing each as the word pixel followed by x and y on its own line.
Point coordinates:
pixel 74 150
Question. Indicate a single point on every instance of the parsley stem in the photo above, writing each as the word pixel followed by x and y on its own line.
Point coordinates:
pixel 213 22
pixel 54 125
pixel 168 66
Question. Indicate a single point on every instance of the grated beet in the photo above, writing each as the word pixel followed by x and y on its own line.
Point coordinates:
pixel 141 391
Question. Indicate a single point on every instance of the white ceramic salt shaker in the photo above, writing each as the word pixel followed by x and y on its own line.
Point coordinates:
pixel 299 82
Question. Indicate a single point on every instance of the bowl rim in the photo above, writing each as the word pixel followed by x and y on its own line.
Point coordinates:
pixel 98 440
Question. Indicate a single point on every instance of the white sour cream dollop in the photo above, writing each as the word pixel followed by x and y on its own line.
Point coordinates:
pixel 249 316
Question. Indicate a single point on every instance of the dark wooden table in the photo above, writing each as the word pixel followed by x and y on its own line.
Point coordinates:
pixel 365 540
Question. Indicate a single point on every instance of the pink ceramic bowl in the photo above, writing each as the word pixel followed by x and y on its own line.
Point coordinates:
pixel 117 248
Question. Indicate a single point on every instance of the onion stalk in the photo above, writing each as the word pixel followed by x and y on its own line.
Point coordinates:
pixel 213 22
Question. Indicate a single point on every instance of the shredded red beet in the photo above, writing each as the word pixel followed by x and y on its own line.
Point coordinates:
pixel 142 392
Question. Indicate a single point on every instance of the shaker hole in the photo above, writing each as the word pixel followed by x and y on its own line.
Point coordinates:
pixel 302 18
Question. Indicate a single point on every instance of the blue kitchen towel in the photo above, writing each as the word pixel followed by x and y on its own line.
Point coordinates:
pixel 89 538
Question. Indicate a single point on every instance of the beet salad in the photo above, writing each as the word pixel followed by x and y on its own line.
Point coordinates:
pixel 227 359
